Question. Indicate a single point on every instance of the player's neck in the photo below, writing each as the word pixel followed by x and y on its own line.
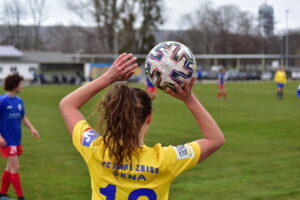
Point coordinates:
pixel 142 134
pixel 141 139
pixel 11 93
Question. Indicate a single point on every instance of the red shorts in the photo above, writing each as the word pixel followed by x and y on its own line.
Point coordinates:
pixel 11 151
pixel 221 86
pixel 151 89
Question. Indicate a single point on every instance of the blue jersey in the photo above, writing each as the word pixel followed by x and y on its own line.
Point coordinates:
pixel 11 114
pixel 221 78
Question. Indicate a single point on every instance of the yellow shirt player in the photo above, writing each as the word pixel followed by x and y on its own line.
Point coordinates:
pixel 121 166
pixel 150 176
pixel 280 79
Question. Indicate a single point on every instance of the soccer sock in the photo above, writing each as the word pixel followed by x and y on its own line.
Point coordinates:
pixel 225 95
pixel 5 182
pixel 16 182
pixel 278 95
pixel 219 95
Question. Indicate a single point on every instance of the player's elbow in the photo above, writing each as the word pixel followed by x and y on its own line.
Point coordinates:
pixel 220 141
pixel 62 105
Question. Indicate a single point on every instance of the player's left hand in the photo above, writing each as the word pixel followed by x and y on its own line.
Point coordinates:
pixel 35 133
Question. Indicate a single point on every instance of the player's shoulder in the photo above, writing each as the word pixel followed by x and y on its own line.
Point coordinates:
pixel 19 98
pixel 156 150
pixel 159 149
pixel 3 97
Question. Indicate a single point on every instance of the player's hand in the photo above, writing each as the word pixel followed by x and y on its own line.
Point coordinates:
pixel 122 68
pixel 184 93
pixel 2 142
pixel 35 133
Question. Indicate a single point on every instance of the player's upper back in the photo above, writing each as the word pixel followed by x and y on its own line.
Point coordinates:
pixel 12 106
pixel 280 77
pixel 150 176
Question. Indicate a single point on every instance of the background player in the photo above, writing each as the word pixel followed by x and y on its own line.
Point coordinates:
pixel 221 84
pixel 280 79
pixel 151 89
pixel 12 113
pixel 120 165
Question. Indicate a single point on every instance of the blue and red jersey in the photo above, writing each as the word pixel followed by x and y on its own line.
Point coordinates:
pixel 11 115
pixel 221 79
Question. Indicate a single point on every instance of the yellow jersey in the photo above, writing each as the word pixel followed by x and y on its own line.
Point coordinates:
pixel 280 77
pixel 146 179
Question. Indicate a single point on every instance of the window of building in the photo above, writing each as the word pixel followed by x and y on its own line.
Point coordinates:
pixel 31 69
pixel 13 69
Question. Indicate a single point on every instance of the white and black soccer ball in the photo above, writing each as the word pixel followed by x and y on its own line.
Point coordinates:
pixel 169 63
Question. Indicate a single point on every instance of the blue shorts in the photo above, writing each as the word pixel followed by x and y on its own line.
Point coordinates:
pixel 280 85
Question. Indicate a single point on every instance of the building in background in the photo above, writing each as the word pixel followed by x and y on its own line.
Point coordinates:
pixel 40 67
pixel 12 60
pixel 266 20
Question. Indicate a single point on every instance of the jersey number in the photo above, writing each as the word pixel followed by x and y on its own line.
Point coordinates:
pixel 110 193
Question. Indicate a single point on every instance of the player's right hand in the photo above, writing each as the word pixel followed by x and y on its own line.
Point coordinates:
pixel 184 93
pixel 35 133
pixel 122 68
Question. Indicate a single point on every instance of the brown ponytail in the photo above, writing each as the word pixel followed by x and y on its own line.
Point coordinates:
pixel 123 112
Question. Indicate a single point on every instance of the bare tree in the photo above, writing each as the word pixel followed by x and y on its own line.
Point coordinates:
pixel 145 13
pixel 152 18
pixel 117 20
pixel 38 16
pixel 12 15
pixel 105 15
pixel 224 29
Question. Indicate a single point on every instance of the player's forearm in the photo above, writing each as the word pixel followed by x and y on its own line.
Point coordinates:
pixel 206 123
pixel 27 123
pixel 82 95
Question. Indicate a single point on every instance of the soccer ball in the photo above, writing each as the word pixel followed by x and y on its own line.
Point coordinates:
pixel 169 63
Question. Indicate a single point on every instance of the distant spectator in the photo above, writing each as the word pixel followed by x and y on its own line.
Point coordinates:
pixel 221 84
pixel 280 79
pixel 35 78
pixel 55 79
pixel 72 80
pixel 64 79
pixel 42 78
pixel 199 75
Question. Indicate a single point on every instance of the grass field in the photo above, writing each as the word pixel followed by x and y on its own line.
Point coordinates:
pixel 260 160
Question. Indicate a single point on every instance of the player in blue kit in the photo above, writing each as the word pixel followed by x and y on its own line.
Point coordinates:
pixel 221 84
pixel 12 113
pixel 151 89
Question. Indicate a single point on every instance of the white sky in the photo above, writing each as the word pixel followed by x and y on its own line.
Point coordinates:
pixel 175 9
pixel 279 6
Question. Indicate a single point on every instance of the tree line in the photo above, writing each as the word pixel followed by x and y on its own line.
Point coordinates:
pixel 134 26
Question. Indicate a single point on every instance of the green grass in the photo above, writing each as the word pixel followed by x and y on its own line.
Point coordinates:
pixel 260 160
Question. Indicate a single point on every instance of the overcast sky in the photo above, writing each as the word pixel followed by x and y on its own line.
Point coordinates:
pixel 175 9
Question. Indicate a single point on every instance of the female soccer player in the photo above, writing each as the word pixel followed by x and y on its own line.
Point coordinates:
pixel 221 84
pixel 12 113
pixel 280 79
pixel 121 166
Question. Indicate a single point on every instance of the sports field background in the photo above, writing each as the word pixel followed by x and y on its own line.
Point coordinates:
pixel 260 159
